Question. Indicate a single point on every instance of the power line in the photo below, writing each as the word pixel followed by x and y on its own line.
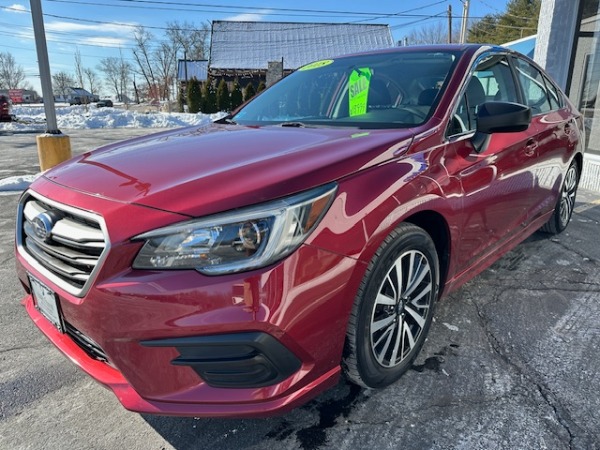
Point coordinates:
pixel 504 13
pixel 110 46
pixel 372 15
pixel 154 4
pixel 265 10
pixel 403 14
pixel 436 16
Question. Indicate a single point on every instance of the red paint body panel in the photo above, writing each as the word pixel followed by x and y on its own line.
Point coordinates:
pixel 208 157
pixel 480 204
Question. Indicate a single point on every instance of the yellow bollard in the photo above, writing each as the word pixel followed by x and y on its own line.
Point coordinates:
pixel 53 149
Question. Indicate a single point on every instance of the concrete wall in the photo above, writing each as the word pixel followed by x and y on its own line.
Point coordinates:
pixel 556 31
pixel 554 46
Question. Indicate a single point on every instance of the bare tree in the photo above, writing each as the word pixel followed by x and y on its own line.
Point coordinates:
pixel 189 38
pixel 116 72
pixel 143 56
pixel 165 57
pixel 110 68
pixel 157 62
pixel 93 82
pixel 61 82
pixel 12 74
pixel 79 70
pixel 124 77
pixel 435 33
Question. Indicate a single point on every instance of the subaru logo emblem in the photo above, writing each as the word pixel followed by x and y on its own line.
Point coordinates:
pixel 42 226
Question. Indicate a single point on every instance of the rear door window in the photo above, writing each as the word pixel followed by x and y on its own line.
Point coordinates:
pixel 535 93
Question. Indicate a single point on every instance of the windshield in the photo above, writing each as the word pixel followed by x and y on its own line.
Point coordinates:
pixel 385 90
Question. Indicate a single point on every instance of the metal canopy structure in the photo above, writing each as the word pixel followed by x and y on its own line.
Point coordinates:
pixel 252 45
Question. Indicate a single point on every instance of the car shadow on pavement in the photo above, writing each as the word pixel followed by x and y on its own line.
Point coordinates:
pixel 308 424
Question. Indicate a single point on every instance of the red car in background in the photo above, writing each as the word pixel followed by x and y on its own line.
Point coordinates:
pixel 5 109
pixel 238 268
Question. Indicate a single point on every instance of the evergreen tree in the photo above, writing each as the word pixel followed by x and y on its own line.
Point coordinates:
pixel 236 95
pixel 223 100
pixel 484 31
pixel 261 87
pixel 520 20
pixel 180 101
pixel 194 96
pixel 249 91
pixel 209 97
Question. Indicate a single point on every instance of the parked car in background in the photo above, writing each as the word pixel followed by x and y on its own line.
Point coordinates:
pixel 238 268
pixel 104 104
pixel 5 109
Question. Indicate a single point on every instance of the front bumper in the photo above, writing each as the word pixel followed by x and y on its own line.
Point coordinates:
pixel 114 380
pixel 153 328
pixel 184 344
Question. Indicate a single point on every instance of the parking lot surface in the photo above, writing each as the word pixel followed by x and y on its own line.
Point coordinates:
pixel 511 362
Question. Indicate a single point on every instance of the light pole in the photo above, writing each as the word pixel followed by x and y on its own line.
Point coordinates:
pixel 53 146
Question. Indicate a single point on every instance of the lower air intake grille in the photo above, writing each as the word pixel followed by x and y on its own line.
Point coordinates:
pixel 86 344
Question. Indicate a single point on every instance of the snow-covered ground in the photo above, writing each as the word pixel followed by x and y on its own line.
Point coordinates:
pixel 32 118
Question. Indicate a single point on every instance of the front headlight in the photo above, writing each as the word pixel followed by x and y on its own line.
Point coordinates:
pixel 239 240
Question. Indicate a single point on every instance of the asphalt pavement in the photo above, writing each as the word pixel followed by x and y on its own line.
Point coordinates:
pixel 511 362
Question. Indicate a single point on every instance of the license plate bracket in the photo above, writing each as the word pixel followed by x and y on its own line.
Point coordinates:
pixel 46 302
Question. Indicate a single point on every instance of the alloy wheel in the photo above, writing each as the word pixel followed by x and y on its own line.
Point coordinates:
pixel 569 190
pixel 401 308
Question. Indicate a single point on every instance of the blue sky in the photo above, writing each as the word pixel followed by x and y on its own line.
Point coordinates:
pixel 101 28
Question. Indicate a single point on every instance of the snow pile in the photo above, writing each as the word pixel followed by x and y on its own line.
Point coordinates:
pixel 32 118
pixel 16 184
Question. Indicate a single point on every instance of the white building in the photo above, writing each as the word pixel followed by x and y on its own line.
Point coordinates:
pixel 567 46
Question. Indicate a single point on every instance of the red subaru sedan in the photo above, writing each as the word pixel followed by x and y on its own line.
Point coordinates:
pixel 239 268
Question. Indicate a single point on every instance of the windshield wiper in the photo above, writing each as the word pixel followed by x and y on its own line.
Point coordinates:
pixel 227 120
pixel 293 124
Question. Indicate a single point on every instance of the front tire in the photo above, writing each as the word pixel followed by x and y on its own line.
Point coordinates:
pixel 563 211
pixel 393 310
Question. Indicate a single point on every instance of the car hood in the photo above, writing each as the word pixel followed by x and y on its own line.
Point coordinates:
pixel 203 170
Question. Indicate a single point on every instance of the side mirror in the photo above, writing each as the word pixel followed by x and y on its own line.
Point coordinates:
pixel 499 117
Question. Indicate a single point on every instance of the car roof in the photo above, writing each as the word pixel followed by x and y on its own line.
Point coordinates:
pixel 462 48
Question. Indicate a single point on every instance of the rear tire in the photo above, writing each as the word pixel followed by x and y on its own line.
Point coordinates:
pixel 563 211
pixel 393 309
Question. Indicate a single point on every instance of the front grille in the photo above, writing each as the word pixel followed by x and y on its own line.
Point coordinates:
pixel 64 243
pixel 86 343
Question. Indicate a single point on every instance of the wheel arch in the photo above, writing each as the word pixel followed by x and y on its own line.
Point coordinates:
pixel 579 160
pixel 437 227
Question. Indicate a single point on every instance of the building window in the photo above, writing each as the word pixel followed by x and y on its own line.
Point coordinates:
pixel 584 89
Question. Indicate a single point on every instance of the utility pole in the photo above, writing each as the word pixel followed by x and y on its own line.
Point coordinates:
pixel 449 24
pixel 53 147
pixel 185 67
pixel 465 18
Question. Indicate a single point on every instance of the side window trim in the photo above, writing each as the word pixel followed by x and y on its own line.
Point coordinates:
pixel 550 86
pixel 521 88
pixel 461 97
pixel 463 91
